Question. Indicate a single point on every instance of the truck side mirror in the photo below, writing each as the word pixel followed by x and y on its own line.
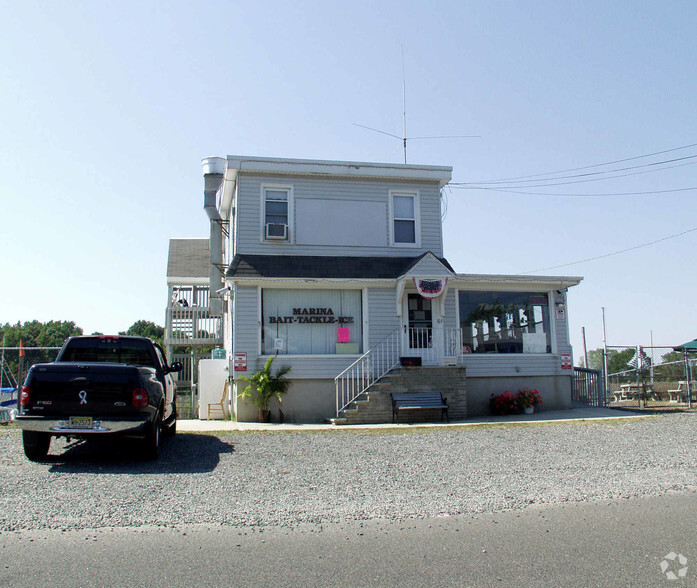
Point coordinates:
pixel 175 367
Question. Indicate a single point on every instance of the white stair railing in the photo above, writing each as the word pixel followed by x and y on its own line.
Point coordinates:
pixel 367 369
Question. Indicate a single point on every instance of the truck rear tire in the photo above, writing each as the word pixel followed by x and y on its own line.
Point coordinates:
pixel 171 426
pixel 36 445
pixel 151 443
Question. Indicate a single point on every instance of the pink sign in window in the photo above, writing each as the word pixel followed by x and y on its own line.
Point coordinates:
pixel 344 335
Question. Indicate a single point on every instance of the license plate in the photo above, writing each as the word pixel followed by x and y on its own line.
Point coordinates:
pixel 80 422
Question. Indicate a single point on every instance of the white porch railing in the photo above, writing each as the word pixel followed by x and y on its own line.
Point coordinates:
pixel 433 346
pixel 192 325
pixel 367 369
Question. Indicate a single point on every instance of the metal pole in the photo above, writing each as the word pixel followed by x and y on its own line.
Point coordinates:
pixel 604 353
pixel 2 362
pixel 638 374
pixel 652 358
pixel 404 107
pixel 585 349
pixel 688 375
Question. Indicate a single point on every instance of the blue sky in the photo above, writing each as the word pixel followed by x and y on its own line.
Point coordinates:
pixel 107 108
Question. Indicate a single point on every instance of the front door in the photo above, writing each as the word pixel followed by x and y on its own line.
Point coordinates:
pixel 419 340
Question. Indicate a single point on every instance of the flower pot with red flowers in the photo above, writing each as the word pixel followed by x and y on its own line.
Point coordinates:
pixel 506 403
pixel 528 399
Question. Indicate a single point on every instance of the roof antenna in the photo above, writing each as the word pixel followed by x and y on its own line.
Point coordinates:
pixel 404 107
pixel 404 137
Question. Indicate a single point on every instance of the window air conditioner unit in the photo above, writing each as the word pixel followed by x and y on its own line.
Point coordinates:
pixel 276 231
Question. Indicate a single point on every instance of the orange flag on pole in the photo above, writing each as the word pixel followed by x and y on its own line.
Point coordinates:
pixel 21 350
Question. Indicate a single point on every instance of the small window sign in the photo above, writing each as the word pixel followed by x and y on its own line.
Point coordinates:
pixel 343 335
pixel 278 344
pixel 534 342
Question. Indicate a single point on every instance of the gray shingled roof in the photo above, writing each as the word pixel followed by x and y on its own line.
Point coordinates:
pixel 188 258
pixel 317 266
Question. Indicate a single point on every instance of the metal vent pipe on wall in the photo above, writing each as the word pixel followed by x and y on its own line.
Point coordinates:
pixel 213 174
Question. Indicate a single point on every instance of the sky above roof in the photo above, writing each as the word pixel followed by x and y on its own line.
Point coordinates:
pixel 107 109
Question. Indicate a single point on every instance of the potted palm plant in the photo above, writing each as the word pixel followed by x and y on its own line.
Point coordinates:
pixel 263 386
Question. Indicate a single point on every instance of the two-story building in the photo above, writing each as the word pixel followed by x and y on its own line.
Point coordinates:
pixel 337 268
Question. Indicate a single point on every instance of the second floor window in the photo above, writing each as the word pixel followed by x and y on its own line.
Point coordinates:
pixel 404 218
pixel 276 203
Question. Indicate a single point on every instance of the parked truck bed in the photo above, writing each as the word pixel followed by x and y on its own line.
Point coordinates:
pixel 99 386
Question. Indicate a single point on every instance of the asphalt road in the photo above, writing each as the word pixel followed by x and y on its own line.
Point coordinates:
pixel 606 543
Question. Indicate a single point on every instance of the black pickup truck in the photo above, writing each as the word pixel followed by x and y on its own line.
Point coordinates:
pixel 99 385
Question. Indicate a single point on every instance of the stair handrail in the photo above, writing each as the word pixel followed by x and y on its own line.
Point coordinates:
pixel 367 369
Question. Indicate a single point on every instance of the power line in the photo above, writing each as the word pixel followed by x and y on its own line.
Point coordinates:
pixel 508 191
pixel 613 253
pixel 609 171
pixel 591 166
pixel 468 186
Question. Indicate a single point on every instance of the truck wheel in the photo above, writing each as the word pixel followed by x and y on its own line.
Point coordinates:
pixel 151 443
pixel 35 445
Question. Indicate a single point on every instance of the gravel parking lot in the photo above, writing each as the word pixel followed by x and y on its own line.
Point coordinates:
pixel 285 479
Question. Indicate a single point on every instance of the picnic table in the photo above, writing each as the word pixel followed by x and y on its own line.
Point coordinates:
pixel 680 393
pixel 631 392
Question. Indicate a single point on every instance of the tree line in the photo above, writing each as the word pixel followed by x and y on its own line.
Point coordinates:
pixel 53 334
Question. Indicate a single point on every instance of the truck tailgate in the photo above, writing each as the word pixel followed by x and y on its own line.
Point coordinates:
pixel 74 389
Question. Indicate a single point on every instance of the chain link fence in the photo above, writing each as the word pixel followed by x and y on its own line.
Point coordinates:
pixel 650 377
pixel 14 365
pixel 16 361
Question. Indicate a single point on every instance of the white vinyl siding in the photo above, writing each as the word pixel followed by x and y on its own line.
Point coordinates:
pixel 332 223
pixel 382 314
pixel 450 319
pixel 246 326
pixel 428 266
pixel 510 364
pixel 560 326
pixel 348 194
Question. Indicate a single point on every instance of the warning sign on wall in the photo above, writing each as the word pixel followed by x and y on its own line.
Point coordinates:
pixel 566 363
pixel 240 362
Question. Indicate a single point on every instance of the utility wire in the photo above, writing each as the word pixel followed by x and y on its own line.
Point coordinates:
pixel 466 186
pixel 544 269
pixel 591 166
pixel 651 192
pixel 609 171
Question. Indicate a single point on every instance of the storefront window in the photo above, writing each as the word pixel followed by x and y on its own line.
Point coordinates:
pixel 505 322
pixel 312 322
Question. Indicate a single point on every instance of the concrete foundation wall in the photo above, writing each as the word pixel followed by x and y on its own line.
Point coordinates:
pixel 313 401
pixel 555 392
pixel 307 401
